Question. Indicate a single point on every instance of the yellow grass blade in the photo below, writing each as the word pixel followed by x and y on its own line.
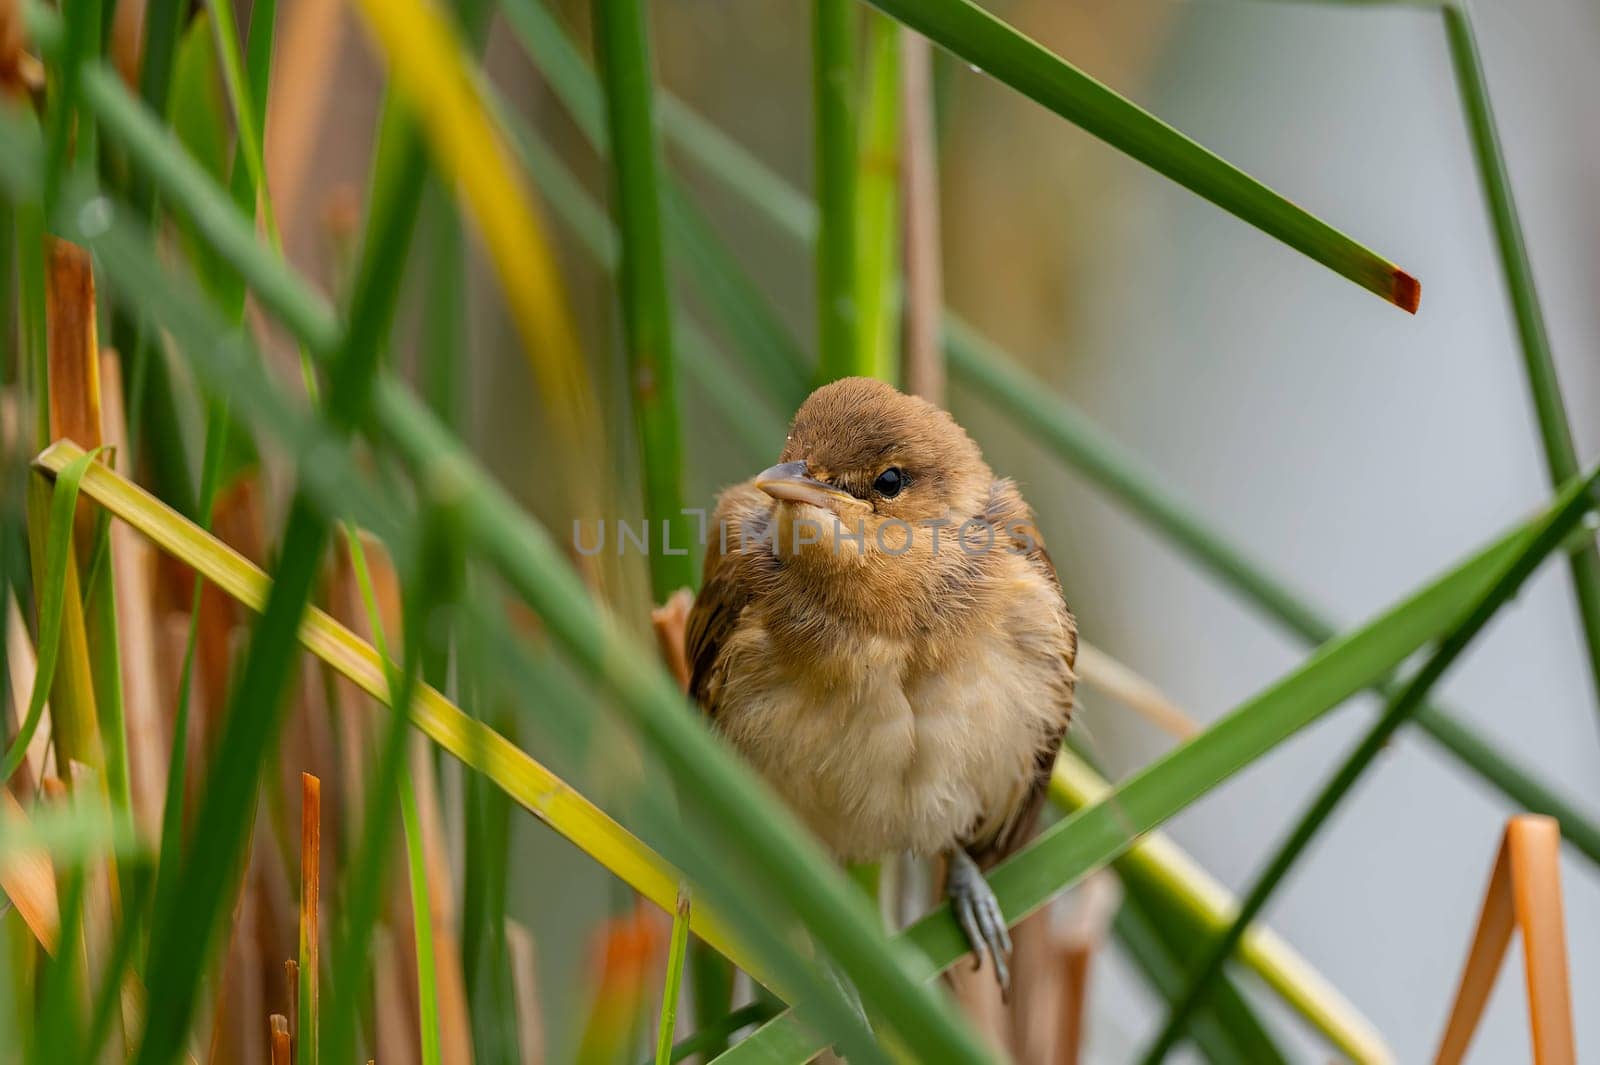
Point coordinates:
pixel 428 66
pixel 544 794
pixel 1074 785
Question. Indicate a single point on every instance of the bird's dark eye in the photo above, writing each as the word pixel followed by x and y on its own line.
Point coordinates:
pixel 889 482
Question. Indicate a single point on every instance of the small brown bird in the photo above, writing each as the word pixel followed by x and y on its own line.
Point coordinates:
pixel 883 636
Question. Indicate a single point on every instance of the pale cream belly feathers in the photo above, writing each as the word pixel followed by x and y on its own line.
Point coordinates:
pixel 888 752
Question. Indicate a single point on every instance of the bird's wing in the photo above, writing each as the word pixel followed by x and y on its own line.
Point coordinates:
pixel 1011 517
pixel 737 562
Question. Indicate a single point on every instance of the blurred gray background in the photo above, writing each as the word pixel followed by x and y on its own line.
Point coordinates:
pixel 1350 447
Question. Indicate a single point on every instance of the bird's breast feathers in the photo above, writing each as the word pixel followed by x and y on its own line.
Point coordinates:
pixel 893 747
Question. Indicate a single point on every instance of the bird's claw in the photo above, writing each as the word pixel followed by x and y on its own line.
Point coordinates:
pixel 978 912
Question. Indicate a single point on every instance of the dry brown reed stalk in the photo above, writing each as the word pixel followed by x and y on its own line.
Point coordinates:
pixel 395 1021
pixel 239 1002
pixel 670 622
pixel 20 73
pixel 919 192
pixel 11 53
pixel 73 351
pixel 309 746
pixel 1081 936
pixel 1524 894
pixel 275 868
pixel 1100 671
pixel 132 564
pixel 310 936
pixel 278 1025
pixel 525 989
pixel 29 880
pixel 629 951
pixel 127 41
pixel 303 73
pixel 291 988
pixel 1036 990
pixel 978 994
pixel 74 364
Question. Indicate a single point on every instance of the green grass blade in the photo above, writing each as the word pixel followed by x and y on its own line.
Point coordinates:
pixel 721 156
pixel 669 994
pixel 1173 883
pixel 1561 457
pixel 877 238
pixel 444 316
pixel 247 115
pixel 74 719
pixel 163 26
pixel 51 591
pixel 768 349
pixel 711 1038
pixel 1157 945
pixel 833 86
pixel 72 133
pixel 1574 504
pixel 735 300
pixel 105 667
pixel 483 942
pixel 1103 830
pixel 364 881
pixel 997 49
pixel 10 339
pixel 623 48
pixel 421 924
pixel 188 188
pixel 22 162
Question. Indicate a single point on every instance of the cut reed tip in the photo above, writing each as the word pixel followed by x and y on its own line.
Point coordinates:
pixel 1407 291
pixel 280 1038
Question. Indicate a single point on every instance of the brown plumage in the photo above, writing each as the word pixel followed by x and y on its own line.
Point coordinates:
pixel 882 634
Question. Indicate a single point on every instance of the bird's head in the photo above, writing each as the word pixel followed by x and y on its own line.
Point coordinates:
pixel 869 472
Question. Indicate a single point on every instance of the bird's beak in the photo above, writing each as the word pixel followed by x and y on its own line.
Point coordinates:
pixel 788 481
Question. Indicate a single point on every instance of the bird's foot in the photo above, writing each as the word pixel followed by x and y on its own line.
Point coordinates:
pixel 978 912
